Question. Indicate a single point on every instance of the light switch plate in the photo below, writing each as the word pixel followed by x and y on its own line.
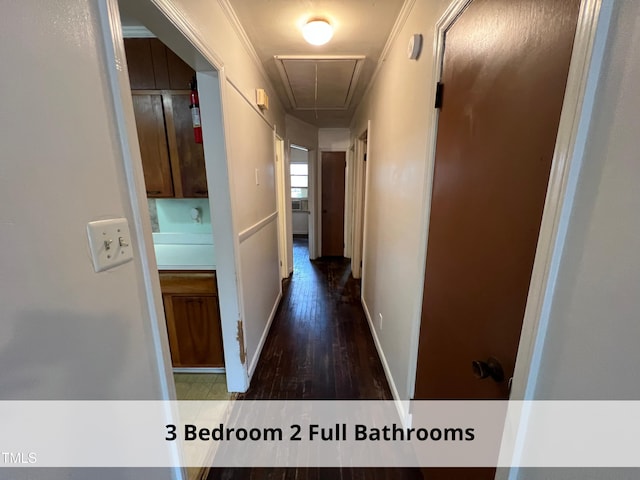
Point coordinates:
pixel 110 243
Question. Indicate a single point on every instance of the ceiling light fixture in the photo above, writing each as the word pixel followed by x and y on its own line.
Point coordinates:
pixel 317 31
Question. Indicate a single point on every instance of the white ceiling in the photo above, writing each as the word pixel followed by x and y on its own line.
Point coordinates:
pixel 361 28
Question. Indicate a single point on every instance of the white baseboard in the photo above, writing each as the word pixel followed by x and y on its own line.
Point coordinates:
pixel 402 405
pixel 256 357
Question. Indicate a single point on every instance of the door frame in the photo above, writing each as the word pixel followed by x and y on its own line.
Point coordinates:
pixel 359 202
pixel 283 201
pixel 175 31
pixel 578 105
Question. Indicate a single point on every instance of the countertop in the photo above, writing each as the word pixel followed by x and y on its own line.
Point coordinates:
pixel 183 251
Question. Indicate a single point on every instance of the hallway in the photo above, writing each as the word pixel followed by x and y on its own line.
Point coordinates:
pixel 319 347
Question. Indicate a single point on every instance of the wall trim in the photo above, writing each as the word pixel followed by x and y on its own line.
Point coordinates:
pixel 193 35
pixel 120 93
pixel 407 6
pixel 246 42
pixel 171 12
pixel 584 70
pixel 402 405
pixel 265 333
pixel 127 135
pixel 448 17
pixel 252 230
pixel 251 103
pixel 575 120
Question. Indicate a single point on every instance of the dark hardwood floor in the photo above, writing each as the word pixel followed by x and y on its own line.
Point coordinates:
pixel 319 347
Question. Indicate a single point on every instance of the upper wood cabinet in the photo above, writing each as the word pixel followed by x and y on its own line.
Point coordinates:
pixel 192 178
pixel 172 161
pixel 152 66
pixel 149 112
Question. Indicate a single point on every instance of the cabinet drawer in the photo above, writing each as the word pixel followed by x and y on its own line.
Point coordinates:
pixel 181 282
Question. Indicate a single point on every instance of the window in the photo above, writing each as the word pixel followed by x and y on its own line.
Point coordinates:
pixel 299 180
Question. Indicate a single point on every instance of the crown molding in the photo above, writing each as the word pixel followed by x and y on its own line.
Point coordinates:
pixel 407 6
pixel 231 15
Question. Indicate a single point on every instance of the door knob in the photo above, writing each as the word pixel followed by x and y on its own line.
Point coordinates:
pixel 490 368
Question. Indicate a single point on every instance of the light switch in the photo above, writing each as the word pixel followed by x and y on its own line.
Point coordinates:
pixel 110 243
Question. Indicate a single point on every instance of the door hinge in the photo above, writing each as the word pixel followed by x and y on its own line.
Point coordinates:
pixel 439 94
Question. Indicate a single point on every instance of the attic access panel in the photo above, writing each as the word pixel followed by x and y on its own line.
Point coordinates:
pixel 319 82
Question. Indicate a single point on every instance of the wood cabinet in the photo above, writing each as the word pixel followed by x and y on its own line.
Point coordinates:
pixel 152 66
pixel 187 156
pixel 172 161
pixel 193 318
pixel 149 113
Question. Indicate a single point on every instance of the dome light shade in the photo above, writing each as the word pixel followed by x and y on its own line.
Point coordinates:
pixel 317 31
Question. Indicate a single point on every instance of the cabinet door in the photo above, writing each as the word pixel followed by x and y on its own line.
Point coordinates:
pixel 187 156
pixel 180 74
pixel 147 63
pixel 150 125
pixel 193 324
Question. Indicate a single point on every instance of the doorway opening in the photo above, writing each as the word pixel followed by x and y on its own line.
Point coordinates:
pixel 190 286
pixel 359 191
pixel 300 211
pixel 173 163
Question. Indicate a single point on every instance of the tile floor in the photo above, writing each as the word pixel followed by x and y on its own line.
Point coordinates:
pixel 201 386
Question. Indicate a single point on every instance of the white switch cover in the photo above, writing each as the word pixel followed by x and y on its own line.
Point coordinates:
pixel 110 243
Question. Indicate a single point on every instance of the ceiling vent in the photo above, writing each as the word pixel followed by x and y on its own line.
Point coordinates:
pixel 320 82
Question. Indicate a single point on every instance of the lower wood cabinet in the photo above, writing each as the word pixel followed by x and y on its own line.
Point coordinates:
pixel 193 318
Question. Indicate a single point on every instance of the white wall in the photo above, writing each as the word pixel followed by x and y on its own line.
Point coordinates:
pixel 251 141
pixel 591 350
pixel 334 139
pixel 302 133
pixel 300 223
pixel 399 106
pixel 66 332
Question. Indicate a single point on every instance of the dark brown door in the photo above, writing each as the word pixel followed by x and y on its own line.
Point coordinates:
pixel 504 75
pixel 333 167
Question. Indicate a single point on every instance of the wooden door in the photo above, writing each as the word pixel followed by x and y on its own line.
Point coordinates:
pixel 333 175
pixel 504 75
pixel 148 110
